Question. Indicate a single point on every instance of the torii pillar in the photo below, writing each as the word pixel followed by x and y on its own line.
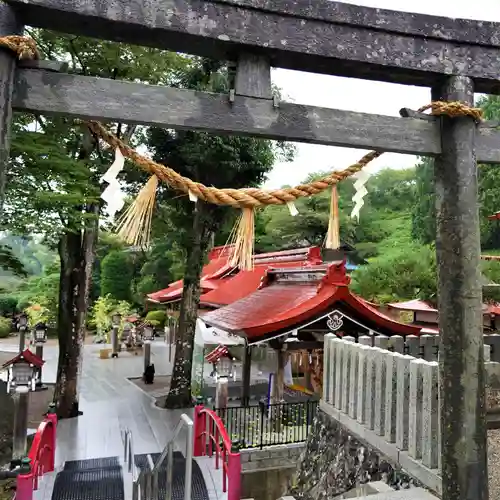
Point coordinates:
pixel 461 354
pixel 9 25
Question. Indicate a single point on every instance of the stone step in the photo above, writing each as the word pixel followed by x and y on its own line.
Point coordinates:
pixel 410 494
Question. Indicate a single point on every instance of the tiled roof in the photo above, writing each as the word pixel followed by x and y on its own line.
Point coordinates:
pixel 290 297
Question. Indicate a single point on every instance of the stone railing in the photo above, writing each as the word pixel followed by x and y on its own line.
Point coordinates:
pixel 393 394
pixel 391 399
pixel 426 346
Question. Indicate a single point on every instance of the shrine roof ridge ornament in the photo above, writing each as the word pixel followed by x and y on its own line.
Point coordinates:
pixel 362 42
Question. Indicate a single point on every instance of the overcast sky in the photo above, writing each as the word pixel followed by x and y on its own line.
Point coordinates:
pixel 363 96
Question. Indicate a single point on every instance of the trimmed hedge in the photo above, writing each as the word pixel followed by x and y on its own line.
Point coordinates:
pixel 159 317
pixel 5 327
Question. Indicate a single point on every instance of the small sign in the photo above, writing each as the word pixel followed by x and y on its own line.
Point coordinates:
pixel 298 277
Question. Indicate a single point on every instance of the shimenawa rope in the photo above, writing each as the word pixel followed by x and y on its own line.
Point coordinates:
pixel 24 46
pixel 138 217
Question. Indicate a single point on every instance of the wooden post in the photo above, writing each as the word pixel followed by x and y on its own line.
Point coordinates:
pixel 21 398
pixel 247 367
pixel 279 379
pixel 461 356
pixel 307 371
pixel 9 25
pixel 253 76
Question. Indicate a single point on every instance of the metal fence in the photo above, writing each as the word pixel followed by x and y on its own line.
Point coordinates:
pixel 269 424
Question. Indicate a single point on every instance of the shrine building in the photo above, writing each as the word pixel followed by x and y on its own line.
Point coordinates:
pixel 291 310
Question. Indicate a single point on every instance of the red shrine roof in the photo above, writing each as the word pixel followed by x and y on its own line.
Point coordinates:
pixel 218 353
pixel 27 356
pixel 413 305
pixel 218 272
pixel 292 298
pixel 244 283
pixel 216 268
pixel 422 306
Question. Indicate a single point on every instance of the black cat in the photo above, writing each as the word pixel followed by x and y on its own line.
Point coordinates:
pixel 149 374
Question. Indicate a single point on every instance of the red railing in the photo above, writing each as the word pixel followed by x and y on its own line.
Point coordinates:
pixel 42 456
pixel 211 436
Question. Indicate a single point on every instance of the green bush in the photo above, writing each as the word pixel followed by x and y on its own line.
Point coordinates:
pixel 8 304
pixel 5 327
pixel 158 317
pixel 408 273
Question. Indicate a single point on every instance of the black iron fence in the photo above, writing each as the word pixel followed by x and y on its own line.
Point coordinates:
pixel 269 424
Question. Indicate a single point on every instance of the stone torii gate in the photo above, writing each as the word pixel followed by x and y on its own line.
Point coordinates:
pixel 454 58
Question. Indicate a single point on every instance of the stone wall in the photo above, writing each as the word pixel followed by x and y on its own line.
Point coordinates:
pixel 268 473
pixel 273 457
pixel 336 461
pixel 268 484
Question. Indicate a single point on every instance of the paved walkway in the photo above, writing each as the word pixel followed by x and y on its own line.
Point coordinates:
pixel 110 403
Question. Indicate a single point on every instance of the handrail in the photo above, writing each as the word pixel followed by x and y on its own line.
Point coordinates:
pixel 147 479
pixel 217 432
pixel 41 457
pixel 142 478
pixel 220 427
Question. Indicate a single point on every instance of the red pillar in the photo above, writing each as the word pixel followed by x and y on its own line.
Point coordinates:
pixel 199 432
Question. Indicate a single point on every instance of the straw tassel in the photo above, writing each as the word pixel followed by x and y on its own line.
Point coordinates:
pixel 242 239
pixel 333 234
pixel 134 226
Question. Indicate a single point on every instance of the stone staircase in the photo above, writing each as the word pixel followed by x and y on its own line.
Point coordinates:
pixel 108 479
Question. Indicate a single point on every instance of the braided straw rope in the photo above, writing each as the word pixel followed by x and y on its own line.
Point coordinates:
pixel 452 109
pixel 242 198
pixel 255 197
pixel 24 46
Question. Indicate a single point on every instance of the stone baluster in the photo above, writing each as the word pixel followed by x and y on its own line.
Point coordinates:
pixel 403 401
pixel 380 383
pixel 370 387
pixel 493 341
pixel 391 383
pixel 487 352
pixel 353 380
pixel 428 343
pixel 415 410
pixel 364 352
pixel 331 361
pixel 346 374
pixel 430 416
pixel 339 361
pixel 382 342
pixel 397 342
pixel 365 340
pixel 413 346
pixel 327 378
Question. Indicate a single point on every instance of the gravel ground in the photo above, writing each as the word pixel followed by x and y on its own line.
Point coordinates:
pixel 494 462
pixel 158 389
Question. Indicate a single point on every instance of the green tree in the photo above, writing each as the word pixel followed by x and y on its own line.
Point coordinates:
pixel 116 275
pixel 213 160
pixel 385 216
pixel 53 182
pixel 409 273
pixel 106 243
pixel 424 214
pixel 424 219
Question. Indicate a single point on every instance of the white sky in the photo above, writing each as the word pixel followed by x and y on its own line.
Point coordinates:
pixel 363 96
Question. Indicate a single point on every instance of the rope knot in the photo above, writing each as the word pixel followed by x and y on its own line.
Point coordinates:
pixel 24 46
pixel 453 109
